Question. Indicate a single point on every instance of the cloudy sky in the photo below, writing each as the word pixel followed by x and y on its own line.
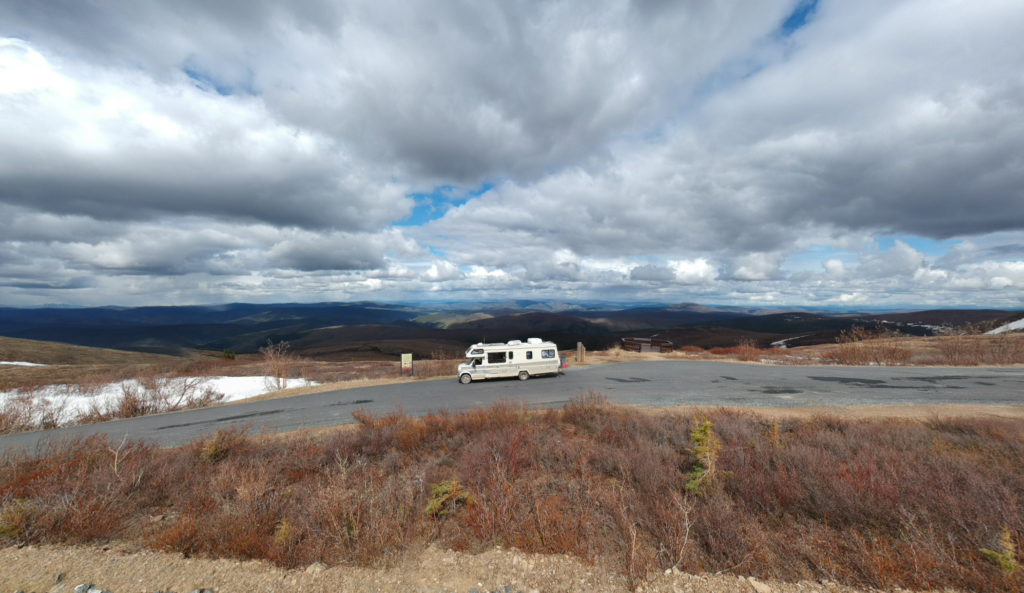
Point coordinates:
pixel 774 152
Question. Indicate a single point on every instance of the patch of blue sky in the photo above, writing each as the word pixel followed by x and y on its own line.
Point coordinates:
pixel 799 17
pixel 205 82
pixel 749 65
pixel 435 204
pixel 811 258
pixel 929 247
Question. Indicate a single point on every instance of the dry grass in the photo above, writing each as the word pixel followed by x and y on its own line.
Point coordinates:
pixel 13 377
pixel 16 377
pixel 616 354
pixel 745 352
pixel 54 353
pixel 953 350
pixel 881 350
pixel 881 503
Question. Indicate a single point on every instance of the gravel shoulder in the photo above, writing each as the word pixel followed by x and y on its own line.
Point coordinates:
pixel 123 570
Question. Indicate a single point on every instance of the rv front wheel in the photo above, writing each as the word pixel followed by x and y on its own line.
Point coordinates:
pixel 523 375
pixel 465 379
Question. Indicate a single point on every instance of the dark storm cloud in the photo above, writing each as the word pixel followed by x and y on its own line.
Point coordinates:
pixel 337 251
pixel 157 34
pixel 264 148
pixel 867 129
pixel 314 202
pixel 449 90
pixel 652 273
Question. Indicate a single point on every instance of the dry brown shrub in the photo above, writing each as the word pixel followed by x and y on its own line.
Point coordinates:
pixel 963 349
pixel 17 414
pixel 277 364
pixel 27 409
pixel 960 350
pixel 748 351
pixel 427 369
pixel 223 442
pixel 880 504
pixel 1004 349
pixel 146 395
pixel 859 346
pixel 583 409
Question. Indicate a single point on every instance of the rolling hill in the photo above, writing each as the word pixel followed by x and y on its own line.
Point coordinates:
pixel 351 331
pixel 51 353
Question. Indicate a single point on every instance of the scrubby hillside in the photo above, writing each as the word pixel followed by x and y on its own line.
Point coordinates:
pixel 55 353
pixel 874 504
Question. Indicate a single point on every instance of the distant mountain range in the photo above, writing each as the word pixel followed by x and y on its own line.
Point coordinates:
pixel 340 330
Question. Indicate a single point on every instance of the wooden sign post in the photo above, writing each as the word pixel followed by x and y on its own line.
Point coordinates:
pixel 581 353
pixel 407 364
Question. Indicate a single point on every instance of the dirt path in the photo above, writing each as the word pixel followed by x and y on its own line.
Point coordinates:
pixel 120 570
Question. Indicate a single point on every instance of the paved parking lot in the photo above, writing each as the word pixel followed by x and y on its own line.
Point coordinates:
pixel 665 383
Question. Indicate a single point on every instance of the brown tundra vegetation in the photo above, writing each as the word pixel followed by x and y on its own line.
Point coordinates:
pixel 881 503
pixel 861 347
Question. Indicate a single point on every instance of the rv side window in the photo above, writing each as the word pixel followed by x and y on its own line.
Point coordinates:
pixel 529 355
pixel 477 351
pixel 511 355
pixel 495 357
pixel 547 353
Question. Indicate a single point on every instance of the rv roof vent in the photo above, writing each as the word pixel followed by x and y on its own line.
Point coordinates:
pixel 533 341
pixel 515 342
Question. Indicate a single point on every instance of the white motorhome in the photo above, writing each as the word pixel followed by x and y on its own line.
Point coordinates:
pixel 514 359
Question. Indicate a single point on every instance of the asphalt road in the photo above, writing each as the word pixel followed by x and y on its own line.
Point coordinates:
pixel 666 383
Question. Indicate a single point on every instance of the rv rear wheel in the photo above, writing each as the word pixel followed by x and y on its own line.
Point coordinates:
pixel 523 375
pixel 465 379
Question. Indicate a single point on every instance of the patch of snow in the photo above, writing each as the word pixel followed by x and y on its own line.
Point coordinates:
pixel 1009 327
pixel 23 364
pixel 236 388
pixel 781 344
pixel 74 400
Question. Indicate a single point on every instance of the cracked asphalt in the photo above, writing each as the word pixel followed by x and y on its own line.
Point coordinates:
pixel 662 383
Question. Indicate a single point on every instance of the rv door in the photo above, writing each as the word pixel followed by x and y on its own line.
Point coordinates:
pixel 495 364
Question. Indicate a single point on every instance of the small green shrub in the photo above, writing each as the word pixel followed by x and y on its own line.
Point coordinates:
pixel 222 443
pixel 446 497
pixel 705 446
pixel 285 534
pixel 1006 557
pixel 14 518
